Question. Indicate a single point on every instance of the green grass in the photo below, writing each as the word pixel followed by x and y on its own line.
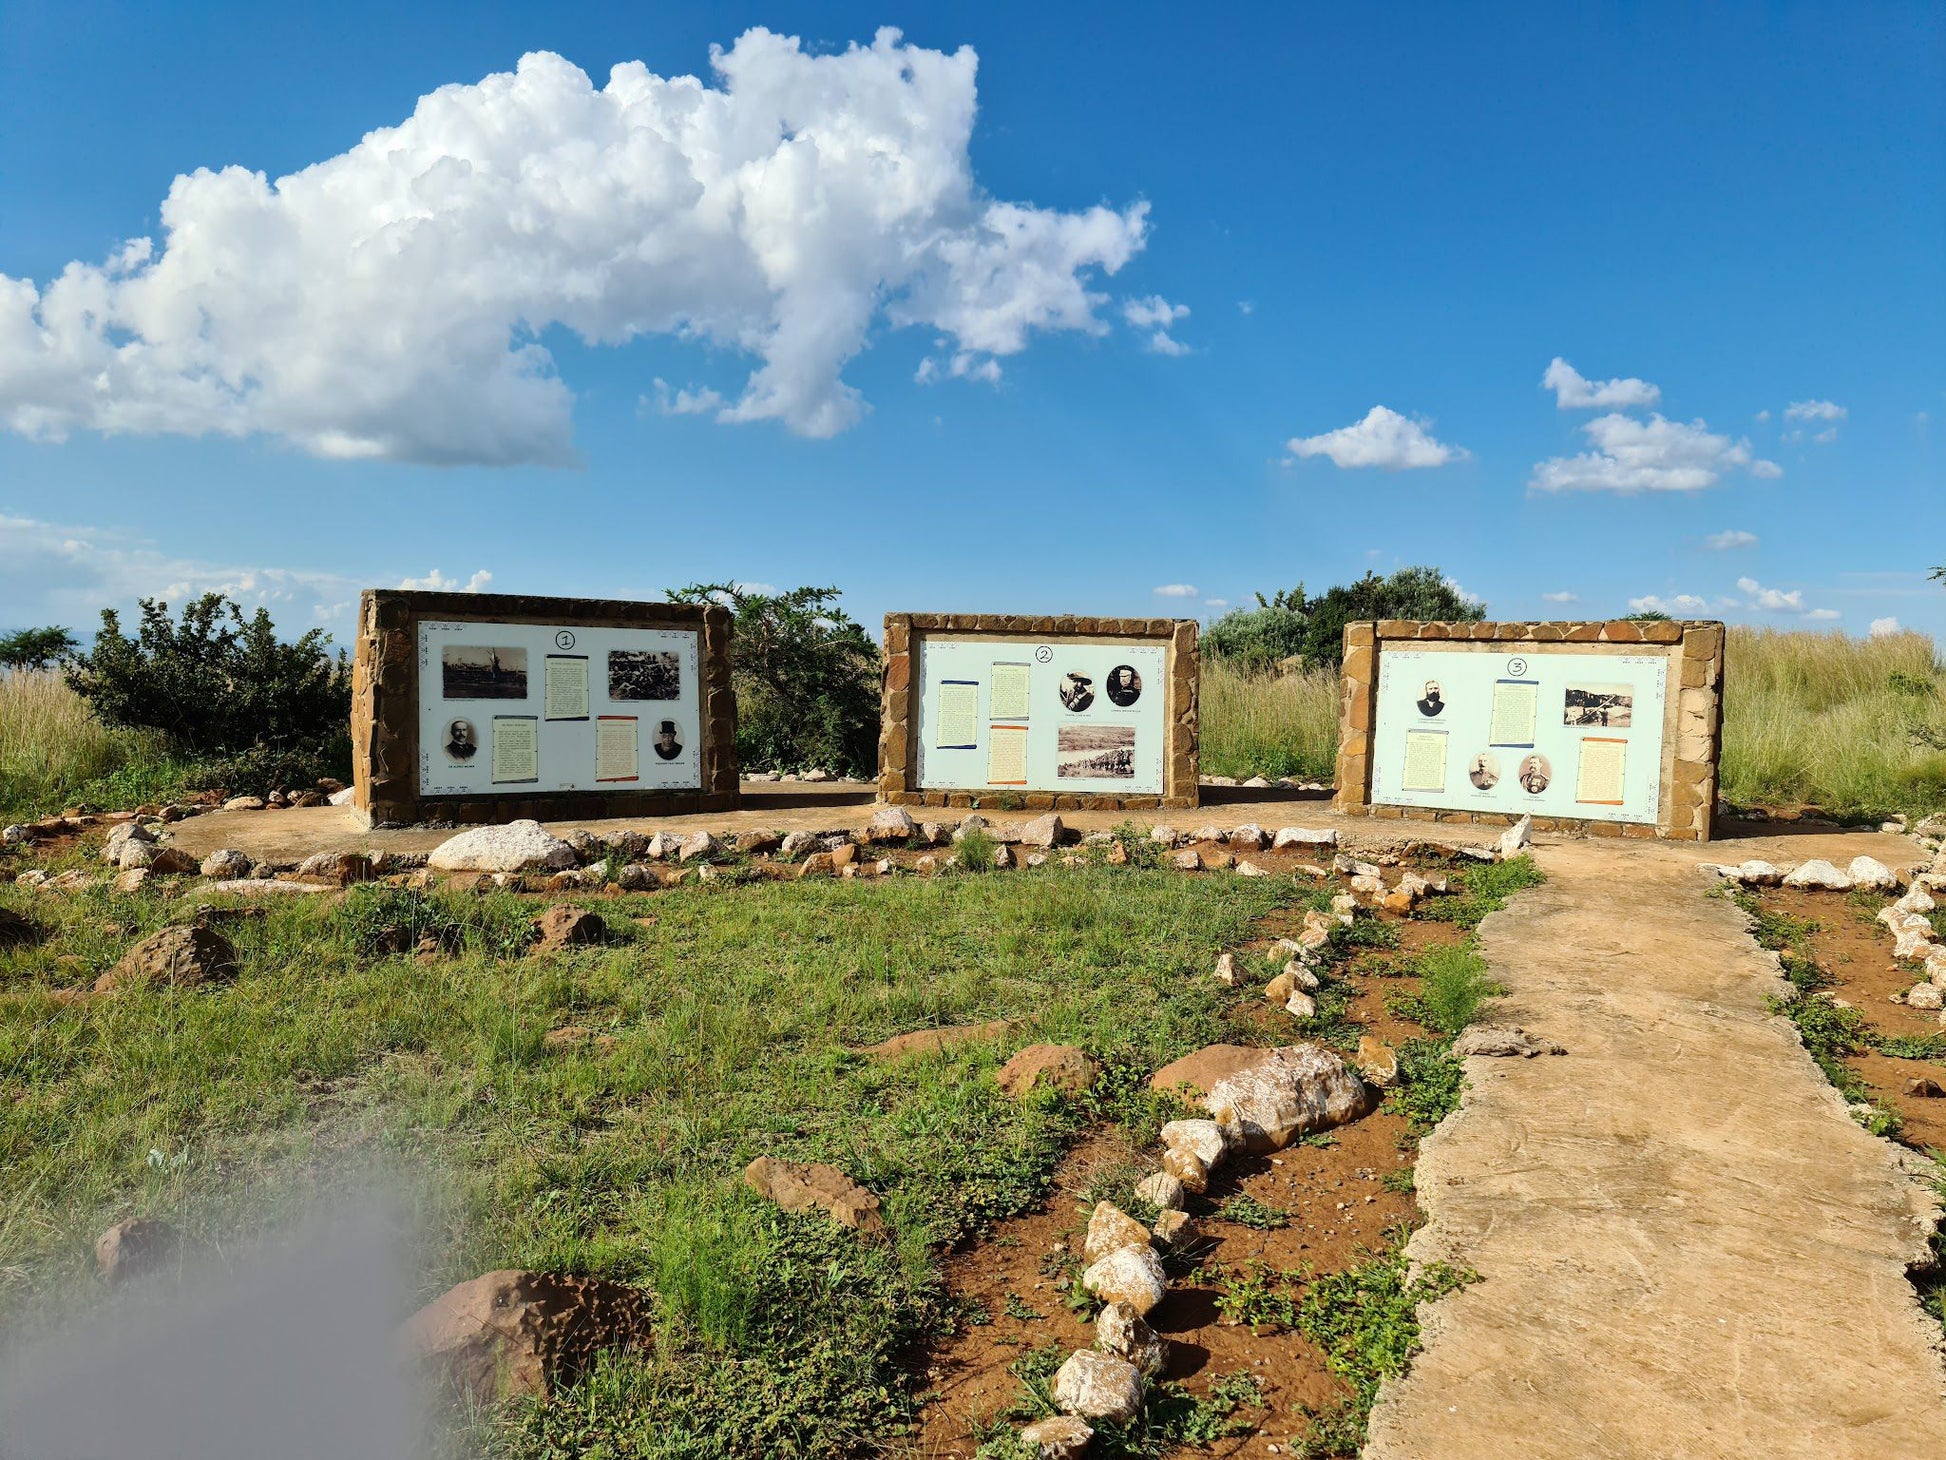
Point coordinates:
pixel 54 753
pixel 1268 724
pixel 1454 988
pixel 734 1013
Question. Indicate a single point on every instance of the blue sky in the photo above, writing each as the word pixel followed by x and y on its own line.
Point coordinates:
pixel 1234 239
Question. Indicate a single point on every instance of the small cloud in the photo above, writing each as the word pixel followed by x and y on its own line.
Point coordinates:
pixel 1156 314
pixel 1884 628
pixel 1655 455
pixel 1561 597
pixel 1815 410
pixel 1824 614
pixel 1175 590
pixel 964 365
pixel 1573 391
pixel 1763 415
pixel 1216 603
pixel 685 402
pixel 1246 306
pixel 1777 600
pixel 438 582
pixel 1384 439
pixel 1722 542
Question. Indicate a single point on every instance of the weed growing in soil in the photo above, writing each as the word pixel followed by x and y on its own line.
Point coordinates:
pixel 1431 1081
pixel 1481 888
pixel 1246 1211
pixel 1911 1046
pixel 1366 1321
pixel 1258 1296
pixel 1454 988
pixel 975 850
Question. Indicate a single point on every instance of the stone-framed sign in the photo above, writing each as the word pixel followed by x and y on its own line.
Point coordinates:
pixel 1612 728
pixel 490 707
pixel 1066 713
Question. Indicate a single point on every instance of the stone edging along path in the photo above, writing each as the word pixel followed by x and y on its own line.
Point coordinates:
pixel 1688 1246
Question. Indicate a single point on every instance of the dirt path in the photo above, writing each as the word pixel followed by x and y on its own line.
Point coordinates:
pixel 1688 1248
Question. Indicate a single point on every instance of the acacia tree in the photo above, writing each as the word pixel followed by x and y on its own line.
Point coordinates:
pixel 36 648
pixel 806 679
pixel 1292 624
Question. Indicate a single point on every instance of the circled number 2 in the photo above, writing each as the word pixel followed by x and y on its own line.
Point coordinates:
pixel 1516 667
pixel 1043 655
pixel 564 640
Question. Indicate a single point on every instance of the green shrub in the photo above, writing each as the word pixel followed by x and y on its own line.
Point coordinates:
pixel 1313 629
pixel 806 679
pixel 36 648
pixel 975 850
pixel 225 691
pixel 1454 987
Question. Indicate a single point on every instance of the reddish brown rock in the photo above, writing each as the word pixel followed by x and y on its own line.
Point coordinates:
pixel 932 1041
pixel 132 1247
pixel 513 1332
pixel 192 955
pixel 1056 1066
pixel 562 927
pixel 799 1186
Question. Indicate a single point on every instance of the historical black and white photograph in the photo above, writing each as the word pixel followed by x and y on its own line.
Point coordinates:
pixel 1124 685
pixel 1085 751
pixel 1484 771
pixel 1535 774
pixel 1077 690
pixel 1433 701
pixel 462 741
pixel 667 744
pixel 1610 705
pixel 482 672
pixel 644 674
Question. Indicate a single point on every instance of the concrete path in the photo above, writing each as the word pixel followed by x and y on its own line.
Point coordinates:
pixel 1688 1248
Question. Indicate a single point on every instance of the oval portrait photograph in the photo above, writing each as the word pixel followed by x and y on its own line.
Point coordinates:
pixel 1124 685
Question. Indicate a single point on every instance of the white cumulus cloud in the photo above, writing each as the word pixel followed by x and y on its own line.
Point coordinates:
pixel 438 582
pixel 1574 391
pixel 1561 597
pixel 1655 455
pixel 1175 590
pixel 1771 600
pixel 1815 410
pixel 1735 537
pixel 1884 628
pixel 391 301
pixel 1383 439
pixel 1158 316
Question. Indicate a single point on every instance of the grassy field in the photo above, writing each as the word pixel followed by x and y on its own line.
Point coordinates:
pixel 1854 726
pixel 53 751
pixel 734 1012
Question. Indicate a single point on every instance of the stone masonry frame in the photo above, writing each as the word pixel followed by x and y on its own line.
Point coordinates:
pixel 898 758
pixel 385 707
pixel 1692 728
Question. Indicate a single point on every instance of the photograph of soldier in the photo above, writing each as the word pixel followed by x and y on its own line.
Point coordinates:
pixel 1535 773
pixel 1085 752
pixel 1484 772
pixel 1077 691
pixel 665 744
pixel 1433 702
pixel 1610 705
pixel 1124 685
pixel 482 672
pixel 643 674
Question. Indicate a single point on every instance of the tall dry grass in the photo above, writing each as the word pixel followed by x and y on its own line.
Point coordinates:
pixel 1269 724
pixel 52 748
pixel 1854 726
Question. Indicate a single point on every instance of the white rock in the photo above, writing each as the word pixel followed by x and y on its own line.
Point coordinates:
pixel 1918 900
pixel 1226 970
pixel 1188 1168
pixel 975 822
pixel 1126 1334
pixel 1516 838
pixel 15 835
pixel 1924 996
pixel 1187 860
pixel 1166 836
pixel 1043 831
pixel 1755 873
pixel 1096 1385
pixel 225 864
pixel 519 846
pixel 1109 1230
pixel 1257 783
pixel 816 773
pixel 1161 1190
pixel 119 838
pixel 1299 836
pixel 1207 834
pixel 1818 874
pixel 1301 1005
pixel 1131 1276
pixel 1248 868
pixel 696 844
pixel 1203 1138
pixel 1300 976
pixel 1872 875
pixel 1058 1437
pixel 1248 837
pixel 342 798
pixel 797 843
pixel 1003 857
pixel 133 854
pixel 244 803
pixel 1913 943
pixel 1291 1091
pixel 891 824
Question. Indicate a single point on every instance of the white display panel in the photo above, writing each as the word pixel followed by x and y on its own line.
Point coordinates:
pixel 1553 734
pixel 1042 715
pixel 520 709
